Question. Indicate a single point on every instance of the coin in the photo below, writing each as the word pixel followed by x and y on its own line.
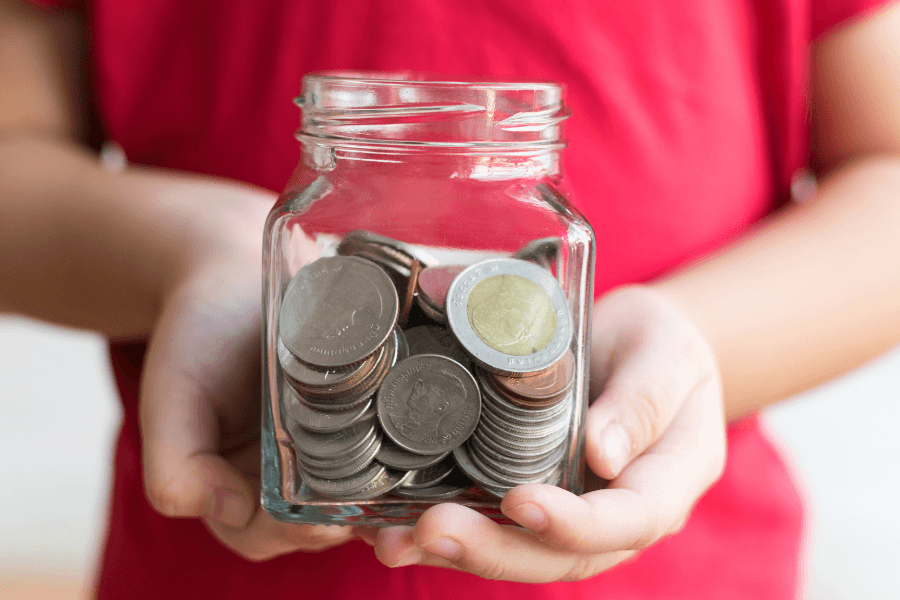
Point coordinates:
pixel 429 476
pixel 337 310
pixel 433 284
pixel 346 468
pixel 453 485
pixel 394 456
pixel 429 404
pixel 329 445
pixel 382 484
pixel 354 241
pixel 434 339
pixel 333 379
pixel 345 485
pixel 325 422
pixel 544 252
pixel 547 386
pixel 510 315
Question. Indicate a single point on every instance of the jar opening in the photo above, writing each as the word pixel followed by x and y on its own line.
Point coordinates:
pixel 414 109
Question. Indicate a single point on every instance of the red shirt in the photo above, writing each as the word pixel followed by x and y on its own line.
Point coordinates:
pixel 689 120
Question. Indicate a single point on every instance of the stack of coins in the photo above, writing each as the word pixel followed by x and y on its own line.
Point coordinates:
pixel 402 375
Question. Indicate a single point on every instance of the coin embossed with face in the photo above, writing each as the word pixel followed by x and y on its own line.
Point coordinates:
pixel 337 311
pixel 429 404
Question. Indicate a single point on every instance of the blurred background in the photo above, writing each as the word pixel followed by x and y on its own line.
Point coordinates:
pixel 58 417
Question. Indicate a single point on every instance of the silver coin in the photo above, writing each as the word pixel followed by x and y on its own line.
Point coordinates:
pixel 477 446
pixel 528 432
pixel 522 474
pixel 544 252
pixel 361 238
pixel 394 456
pixel 536 438
pixel 434 339
pixel 491 436
pixel 384 483
pixel 435 313
pixel 510 315
pixel 489 407
pixel 403 351
pixel 451 487
pixel 429 404
pixel 330 445
pixel 430 476
pixel 471 470
pixel 490 395
pixel 347 469
pixel 346 485
pixel 312 375
pixel 326 422
pixel 344 458
pixel 338 310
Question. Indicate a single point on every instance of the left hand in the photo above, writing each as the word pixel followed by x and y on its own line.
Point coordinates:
pixel 657 432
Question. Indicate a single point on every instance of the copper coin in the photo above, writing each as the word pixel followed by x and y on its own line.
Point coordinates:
pixel 435 281
pixel 337 310
pixel 548 385
pixel 429 404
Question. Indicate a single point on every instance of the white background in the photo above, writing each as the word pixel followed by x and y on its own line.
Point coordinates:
pixel 58 416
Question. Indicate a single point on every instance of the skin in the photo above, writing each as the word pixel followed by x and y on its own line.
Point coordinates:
pixel 813 287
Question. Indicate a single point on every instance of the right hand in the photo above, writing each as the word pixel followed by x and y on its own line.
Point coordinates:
pixel 200 392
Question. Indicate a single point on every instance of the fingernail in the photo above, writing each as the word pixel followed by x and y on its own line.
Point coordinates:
pixel 529 516
pixel 443 547
pixel 616 447
pixel 412 557
pixel 229 508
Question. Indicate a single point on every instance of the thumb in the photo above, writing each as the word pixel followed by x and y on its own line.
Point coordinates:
pixel 184 475
pixel 655 367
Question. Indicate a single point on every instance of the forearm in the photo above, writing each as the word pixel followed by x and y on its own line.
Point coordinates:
pixel 87 248
pixel 809 294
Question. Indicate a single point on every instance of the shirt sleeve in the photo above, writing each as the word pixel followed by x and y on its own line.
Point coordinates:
pixel 828 14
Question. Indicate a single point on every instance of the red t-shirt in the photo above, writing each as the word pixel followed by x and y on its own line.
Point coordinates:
pixel 689 120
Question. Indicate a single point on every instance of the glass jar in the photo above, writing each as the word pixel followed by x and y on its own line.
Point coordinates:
pixel 426 302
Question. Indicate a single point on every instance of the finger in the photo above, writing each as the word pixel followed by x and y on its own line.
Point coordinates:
pixel 453 536
pixel 184 475
pixel 264 538
pixel 651 498
pixel 662 363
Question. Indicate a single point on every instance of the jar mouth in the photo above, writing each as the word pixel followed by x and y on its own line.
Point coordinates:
pixel 423 109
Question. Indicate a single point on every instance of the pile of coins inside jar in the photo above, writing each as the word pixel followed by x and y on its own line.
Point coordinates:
pixel 403 375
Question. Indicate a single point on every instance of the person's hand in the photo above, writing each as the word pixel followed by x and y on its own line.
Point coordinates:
pixel 657 431
pixel 200 393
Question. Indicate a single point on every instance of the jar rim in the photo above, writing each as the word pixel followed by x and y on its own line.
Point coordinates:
pixel 426 79
pixel 405 107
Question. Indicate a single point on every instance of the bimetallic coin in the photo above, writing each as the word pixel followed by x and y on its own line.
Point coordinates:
pixel 394 456
pixel 510 315
pixel 549 385
pixel 337 310
pixel 325 422
pixel 429 404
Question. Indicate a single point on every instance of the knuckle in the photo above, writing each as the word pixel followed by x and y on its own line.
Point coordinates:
pixel 165 498
pixel 650 407
pixel 652 530
pixel 582 568
pixel 495 569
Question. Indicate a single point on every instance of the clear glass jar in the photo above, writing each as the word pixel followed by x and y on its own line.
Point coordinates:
pixel 411 191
